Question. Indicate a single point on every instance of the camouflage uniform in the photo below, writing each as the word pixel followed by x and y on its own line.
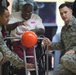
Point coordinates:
pixel 8 55
pixel 67 64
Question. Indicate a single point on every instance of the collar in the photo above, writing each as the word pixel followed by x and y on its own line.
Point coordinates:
pixel 71 23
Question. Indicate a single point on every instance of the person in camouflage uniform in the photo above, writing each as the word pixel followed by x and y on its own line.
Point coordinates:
pixel 67 44
pixel 5 53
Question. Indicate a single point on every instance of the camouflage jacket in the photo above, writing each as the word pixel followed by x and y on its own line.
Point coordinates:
pixel 68 37
pixel 8 55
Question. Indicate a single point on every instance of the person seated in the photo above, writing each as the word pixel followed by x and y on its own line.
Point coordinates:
pixel 23 21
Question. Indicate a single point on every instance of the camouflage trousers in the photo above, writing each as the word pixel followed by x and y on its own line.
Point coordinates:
pixel 67 65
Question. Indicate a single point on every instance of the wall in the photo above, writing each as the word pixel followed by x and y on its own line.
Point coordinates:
pixel 10 7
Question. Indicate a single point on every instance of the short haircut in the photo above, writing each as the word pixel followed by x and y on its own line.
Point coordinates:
pixel 65 4
pixel 26 5
pixel 2 9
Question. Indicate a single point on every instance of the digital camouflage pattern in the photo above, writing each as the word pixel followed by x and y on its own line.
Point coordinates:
pixel 67 42
pixel 8 55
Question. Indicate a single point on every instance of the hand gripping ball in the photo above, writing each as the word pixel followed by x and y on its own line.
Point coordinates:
pixel 29 39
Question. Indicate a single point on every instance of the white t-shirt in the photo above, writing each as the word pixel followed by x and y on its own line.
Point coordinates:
pixel 34 22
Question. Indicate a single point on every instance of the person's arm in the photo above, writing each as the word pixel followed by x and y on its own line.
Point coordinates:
pixel 12 26
pixel 39 31
pixel 52 45
pixel 73 38
pixel 8 55
pixel 14 22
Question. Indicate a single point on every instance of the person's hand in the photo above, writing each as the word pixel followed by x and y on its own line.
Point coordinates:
pixel 21 23
pixel 30 66
pixel 47 42
pixel 70 52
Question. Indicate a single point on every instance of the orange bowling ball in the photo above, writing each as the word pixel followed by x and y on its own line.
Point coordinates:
pixel 29 39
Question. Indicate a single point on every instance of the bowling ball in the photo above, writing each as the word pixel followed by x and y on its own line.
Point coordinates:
pixel 29 39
